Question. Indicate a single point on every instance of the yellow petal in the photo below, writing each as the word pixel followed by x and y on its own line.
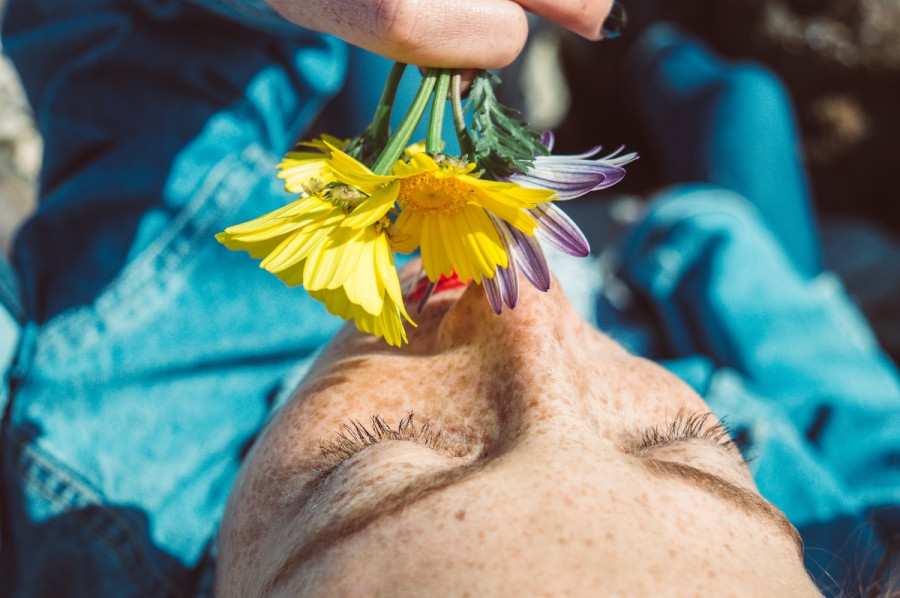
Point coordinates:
pixel 335 262
pixel 302 206
pixel 373 207
pixel 453 247
pixel 434 258
pixel 484 241
pixel 297 179
pixel 418 164
pixel 348 257
pixel 292 276
pixel 385 269
pixel 517 217
pixel 298 245
pixel 324 141
pixel 363 286
pixel 415 148
pixel 409 231
pixel 257 249
pixel 510 193
pixel 355 173
pixel 286 254
pixel 386 324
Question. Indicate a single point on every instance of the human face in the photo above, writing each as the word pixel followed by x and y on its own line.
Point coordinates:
pixel 538 475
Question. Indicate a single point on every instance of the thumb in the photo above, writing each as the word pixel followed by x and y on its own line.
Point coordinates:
pixel 480 34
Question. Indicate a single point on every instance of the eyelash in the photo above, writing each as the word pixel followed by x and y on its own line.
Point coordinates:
pixel 688 426
pixel 356 436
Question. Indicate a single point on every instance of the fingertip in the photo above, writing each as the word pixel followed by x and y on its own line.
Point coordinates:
pixel 475 36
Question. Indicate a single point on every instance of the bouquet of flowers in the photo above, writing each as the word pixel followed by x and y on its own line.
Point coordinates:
pixel 477 217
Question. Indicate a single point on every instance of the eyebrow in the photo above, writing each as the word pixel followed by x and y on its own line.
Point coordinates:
pixel 362 515
pixel 746 500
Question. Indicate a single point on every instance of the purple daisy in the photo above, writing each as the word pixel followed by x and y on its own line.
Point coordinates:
pixel 571 177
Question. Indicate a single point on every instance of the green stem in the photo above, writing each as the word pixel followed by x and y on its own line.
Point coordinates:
pixel 433 140
pixel 459 118
pixel 405 129
pixel 381 122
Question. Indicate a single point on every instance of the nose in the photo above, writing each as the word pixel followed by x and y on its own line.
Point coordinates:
pixel 542 324
pixel 534 361
pixel 540 362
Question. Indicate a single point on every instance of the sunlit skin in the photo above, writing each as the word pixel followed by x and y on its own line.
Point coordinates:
pixel 485 34
pixel 534 486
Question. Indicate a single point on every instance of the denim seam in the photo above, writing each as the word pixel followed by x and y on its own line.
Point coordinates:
pixel 222 187
pixel 113 530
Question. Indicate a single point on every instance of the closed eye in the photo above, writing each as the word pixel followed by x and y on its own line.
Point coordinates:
pixel 687 426
pixel 355 437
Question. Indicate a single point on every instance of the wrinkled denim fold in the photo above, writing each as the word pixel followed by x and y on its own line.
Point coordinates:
pixel 147 356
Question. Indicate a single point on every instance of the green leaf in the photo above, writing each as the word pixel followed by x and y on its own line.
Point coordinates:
pixel 503 143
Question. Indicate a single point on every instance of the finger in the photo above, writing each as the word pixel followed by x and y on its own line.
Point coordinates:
pixel 466 78
pixel 584 17
pixel 478 34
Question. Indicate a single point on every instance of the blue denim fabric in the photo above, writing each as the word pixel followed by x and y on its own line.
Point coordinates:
pixel 730 273
pixel 729 124
pixel 787 360
pixel 150 356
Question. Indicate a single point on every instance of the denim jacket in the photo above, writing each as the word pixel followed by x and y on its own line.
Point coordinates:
pixel 146 356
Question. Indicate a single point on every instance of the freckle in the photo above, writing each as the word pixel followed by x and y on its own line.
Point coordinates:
pixel 461 514
pixel 673 553
pixel 610 536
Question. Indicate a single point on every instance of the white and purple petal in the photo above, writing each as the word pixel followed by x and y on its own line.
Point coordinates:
pixel 557 229
pixel 530 259
pixel 504 286
pixel 526 256
pixel 572 176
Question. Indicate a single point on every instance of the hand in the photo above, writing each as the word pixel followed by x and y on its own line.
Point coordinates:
pixel 482 34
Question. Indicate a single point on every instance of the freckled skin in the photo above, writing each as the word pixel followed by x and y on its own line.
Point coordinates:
pixel 544 404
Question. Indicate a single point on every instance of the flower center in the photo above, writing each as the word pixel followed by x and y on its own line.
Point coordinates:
pixel 432 195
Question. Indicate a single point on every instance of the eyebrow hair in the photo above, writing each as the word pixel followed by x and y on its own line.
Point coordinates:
pixel 746 500
pixel 362 515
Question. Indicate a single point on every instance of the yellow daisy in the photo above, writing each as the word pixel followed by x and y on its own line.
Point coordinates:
pixel 444 211
pixel 351 270
pixel 298 168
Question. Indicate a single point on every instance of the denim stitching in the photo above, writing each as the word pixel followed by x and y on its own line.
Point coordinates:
pixel 64 491
pixel 223 189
